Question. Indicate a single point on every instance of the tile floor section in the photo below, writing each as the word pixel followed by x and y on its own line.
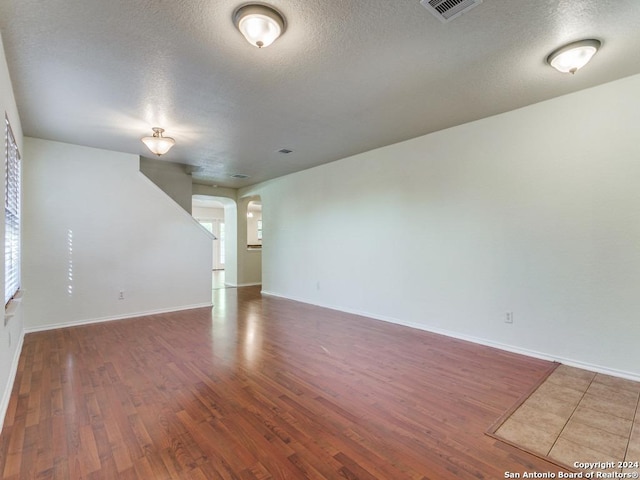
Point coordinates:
pixel 579 416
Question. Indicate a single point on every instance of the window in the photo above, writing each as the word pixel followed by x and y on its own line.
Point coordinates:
pixel 11 215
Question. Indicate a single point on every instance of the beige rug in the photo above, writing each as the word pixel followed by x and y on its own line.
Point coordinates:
pixel 581 420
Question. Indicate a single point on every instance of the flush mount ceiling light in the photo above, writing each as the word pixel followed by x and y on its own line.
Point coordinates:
pixel 158 144
pixel 261 25
pixel 574 56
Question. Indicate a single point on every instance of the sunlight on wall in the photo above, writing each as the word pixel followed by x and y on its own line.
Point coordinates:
pixel 70 262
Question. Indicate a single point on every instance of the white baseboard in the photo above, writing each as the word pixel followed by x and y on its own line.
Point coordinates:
pixel 237 285
pixel 469 338
pixel 89 321
pixel 6 396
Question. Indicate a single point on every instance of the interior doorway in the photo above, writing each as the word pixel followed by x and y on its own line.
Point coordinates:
pixel 210 213
pixel 218 280
pixel 217 228
pixel 250 258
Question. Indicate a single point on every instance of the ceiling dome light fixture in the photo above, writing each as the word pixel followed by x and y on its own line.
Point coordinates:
pixel 574 56
pixel 261 25
pixel 158 144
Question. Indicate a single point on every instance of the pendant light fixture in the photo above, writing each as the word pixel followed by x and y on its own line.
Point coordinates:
pixel 574 56
pixel 260 24
pixel 158 143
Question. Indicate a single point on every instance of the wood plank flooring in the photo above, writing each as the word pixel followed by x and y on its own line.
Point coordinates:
pixel 260 388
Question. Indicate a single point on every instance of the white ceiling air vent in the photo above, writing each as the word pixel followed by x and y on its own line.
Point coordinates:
pixel 447 10
pixel 239 175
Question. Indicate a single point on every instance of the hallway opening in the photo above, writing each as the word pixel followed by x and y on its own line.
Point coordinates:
pixel 217 215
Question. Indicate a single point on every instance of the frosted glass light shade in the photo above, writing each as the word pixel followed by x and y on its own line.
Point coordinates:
pixel 261 25
pixel 572 57
pixel 158 144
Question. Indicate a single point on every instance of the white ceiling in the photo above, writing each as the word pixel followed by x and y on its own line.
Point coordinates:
pixel 347 76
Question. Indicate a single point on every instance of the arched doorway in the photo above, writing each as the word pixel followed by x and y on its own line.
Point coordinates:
pixel 218 215
pixel 250 240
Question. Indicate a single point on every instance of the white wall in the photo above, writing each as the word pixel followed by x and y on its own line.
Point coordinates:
pixel 10 334
pixel 535 212
pixel 91 213
pixel 208 213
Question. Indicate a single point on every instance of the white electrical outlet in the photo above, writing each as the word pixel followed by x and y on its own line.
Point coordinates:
pixel 121 295
pixel 508 317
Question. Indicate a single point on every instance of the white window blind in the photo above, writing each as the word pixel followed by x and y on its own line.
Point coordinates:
pixel 11 215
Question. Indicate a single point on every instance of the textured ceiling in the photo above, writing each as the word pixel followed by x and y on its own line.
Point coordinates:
pixel 347 76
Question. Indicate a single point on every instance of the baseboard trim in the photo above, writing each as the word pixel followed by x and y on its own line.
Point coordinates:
pixel 125 316
pixel 469 338
pixel 6 396
pixel 239 285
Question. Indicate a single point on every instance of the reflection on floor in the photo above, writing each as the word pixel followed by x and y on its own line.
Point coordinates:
pixel 580 416
pixel 218 279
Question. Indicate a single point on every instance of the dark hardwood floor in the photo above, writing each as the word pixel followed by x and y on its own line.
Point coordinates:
pixel 260 388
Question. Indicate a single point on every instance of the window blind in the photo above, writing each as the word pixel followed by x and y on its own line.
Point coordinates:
pixel 11 215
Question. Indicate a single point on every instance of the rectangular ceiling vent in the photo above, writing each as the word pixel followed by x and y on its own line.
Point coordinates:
pixel 239 175
pixel 447 10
